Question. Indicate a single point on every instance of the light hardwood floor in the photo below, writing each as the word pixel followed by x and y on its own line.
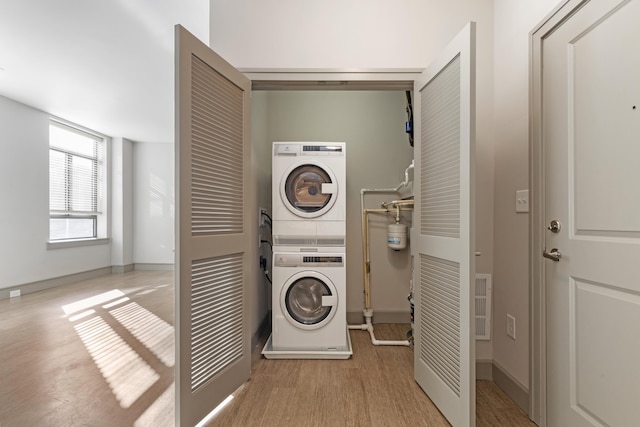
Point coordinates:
pixel 114 367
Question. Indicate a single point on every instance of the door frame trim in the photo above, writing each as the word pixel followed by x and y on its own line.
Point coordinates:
pixel 537 285
pixel 331 79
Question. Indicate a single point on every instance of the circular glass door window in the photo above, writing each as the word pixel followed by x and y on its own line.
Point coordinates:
pixel 303 188
pixel 304 301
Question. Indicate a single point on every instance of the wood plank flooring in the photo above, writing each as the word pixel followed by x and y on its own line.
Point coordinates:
pixel 373 388
pixel 113 367
pixel 48 377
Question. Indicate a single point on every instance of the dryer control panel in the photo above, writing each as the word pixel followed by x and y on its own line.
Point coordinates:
pixel 308 148
pixel 309 260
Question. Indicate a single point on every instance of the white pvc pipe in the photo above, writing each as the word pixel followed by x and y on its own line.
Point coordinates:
pixel 368 326
pixel 406 175
pixel 375 341
pixel 394 203
pixel 368 312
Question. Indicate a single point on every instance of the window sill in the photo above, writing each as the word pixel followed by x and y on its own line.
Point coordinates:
pixel 61 244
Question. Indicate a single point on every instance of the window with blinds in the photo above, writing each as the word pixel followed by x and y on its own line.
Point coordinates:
pixel 76 182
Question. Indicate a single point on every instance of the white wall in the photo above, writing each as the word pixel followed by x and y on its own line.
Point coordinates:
pixel 121 202
pixel 513 22
pixel 24 219
pixel 339 34
pixel 154 203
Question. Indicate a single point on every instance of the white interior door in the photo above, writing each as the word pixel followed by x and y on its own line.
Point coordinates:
pixel 212 229
pixel 444 233
pixel 591 145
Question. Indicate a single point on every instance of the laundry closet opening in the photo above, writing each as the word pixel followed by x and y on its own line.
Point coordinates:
pixel 370 118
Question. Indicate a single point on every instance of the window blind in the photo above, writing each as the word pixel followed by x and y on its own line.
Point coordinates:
pixel 75 182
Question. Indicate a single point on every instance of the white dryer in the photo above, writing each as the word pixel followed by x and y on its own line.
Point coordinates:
pixel 309 193
pixel 309 302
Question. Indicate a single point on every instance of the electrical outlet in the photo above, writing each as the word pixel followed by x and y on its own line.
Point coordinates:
pixel 261 217
pixel 511 326
pixel 14 293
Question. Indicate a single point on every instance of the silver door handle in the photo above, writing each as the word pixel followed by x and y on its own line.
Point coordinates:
pixel 553 255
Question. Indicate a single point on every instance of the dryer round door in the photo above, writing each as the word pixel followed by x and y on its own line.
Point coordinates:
pixel 309 300
pixel 309 189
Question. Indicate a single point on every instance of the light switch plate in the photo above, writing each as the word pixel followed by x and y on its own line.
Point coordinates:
pixel 522 201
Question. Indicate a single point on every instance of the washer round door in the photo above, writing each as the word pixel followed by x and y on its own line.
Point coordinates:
pixel 308 189
pixel 309 300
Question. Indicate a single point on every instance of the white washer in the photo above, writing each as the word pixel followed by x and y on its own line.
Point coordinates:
pixel 309 193
pixel 309 302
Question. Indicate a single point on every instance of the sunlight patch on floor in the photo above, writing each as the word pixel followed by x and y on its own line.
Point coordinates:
pixel 81 315
pixel 86 303
pixel 153 332
pixel 124 370
pixel 116 302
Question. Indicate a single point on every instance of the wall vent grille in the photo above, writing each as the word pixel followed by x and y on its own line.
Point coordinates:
pixel 483 306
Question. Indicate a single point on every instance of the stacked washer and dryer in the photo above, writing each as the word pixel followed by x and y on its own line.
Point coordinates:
pixel 309 264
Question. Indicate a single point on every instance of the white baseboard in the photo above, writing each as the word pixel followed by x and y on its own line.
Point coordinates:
pixel 512 387
pixel 40 285
pixel 152 266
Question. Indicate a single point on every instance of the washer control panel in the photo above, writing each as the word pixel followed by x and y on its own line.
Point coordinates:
pixel 322 259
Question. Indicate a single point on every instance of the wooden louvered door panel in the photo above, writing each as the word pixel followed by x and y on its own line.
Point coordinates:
pixel 443 235
pixel 212 229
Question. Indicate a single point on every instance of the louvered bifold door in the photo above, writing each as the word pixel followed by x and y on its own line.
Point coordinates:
pixel 212 229
pixel 443 241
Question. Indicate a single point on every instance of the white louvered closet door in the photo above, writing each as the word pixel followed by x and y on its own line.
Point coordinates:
pixel 212 229
pixel 443 235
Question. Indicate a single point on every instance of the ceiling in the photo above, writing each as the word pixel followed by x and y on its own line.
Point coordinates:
pixel 105 65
